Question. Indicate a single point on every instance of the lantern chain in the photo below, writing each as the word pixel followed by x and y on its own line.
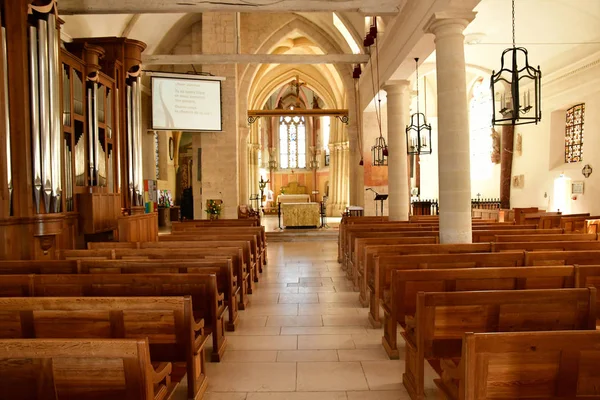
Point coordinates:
pixel 513 24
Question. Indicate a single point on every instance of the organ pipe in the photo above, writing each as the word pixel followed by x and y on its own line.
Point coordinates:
pixel 55 117
pixel 35 116
pixel 43 59
pixel 130 143
pixel 9 183
pixel 139 147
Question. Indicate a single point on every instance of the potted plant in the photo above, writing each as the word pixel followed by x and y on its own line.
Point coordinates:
pixel 213 209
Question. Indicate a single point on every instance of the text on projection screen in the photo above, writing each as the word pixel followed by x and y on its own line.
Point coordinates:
pixel 186 104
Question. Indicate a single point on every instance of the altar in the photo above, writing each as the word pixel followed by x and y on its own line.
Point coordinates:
pixel 293 198
pixel 301 214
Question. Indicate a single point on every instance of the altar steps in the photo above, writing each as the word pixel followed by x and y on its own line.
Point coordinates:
pixel 303 235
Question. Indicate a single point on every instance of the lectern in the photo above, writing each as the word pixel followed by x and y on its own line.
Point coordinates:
pixel 382 198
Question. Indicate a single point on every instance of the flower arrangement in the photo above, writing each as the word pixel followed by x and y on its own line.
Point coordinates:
pixel 213 208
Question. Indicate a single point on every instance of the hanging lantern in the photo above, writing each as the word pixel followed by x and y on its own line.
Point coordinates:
pixel 516 88
pixel 418 133
pixel 380 152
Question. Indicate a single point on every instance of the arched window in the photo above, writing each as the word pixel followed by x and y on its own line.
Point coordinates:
pixel 480 121
pixel 292 142
pixel 574 133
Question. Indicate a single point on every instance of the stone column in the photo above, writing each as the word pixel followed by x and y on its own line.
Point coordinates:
pixel 244 172
pixel 398 109
pixel 453 140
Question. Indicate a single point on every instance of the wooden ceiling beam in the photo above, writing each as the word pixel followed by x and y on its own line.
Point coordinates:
pixel 201 59
pixel 367 7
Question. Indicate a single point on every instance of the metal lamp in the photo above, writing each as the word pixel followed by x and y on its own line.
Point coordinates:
pixel 380 152
pixel 418 133
pixel 516 87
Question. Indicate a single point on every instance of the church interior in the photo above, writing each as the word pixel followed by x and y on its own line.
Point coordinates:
pixel 299 199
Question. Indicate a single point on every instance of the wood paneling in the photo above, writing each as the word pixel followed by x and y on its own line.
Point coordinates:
pixel 138 228
pixel 99 211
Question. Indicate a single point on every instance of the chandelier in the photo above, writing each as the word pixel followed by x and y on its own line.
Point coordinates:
pixel 418 133
pixel 380 152
pixel 513 86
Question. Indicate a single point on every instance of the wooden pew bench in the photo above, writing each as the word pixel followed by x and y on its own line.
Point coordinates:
pixel 584 257
pixel 56 369
pixel 227 282
pixel 580 237
pixel 589 276
pixel 167 322
pixel 379 280
pixel 207 303
pixel 480 236
pixel 407 283
pixel 250 248
pixel 233 253
pixel 389 247
pixel 441 319
pixel 357 264
pixel 258 231
pixel 545 246
pixel 524 365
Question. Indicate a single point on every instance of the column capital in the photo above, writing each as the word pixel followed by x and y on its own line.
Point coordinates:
pixel 457 18
pixel 396 86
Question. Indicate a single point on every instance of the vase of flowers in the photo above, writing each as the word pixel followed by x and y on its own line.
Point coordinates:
pixel 213 209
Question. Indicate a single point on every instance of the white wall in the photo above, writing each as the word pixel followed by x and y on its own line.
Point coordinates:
pixel 543 144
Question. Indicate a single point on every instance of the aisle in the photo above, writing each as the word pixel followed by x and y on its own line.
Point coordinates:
pixel 305 332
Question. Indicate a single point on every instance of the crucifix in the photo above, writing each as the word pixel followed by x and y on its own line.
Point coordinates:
pixel 297 84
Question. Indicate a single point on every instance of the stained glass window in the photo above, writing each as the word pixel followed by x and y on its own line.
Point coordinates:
pixel 574 134
pixel 292 142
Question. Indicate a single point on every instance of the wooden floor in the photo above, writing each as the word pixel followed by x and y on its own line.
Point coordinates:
pixel 306 333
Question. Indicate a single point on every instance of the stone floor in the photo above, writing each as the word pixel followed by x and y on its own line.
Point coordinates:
pixel 305 336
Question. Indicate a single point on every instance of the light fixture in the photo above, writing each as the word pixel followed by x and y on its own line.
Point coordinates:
pixel 272 160
pixel 380 152
pixel 513 85
pixel 418 133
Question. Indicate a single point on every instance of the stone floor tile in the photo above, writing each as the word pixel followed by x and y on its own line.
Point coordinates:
pixel 379 395
pixel 307 355
pixel 338 297
pixel 323 330
pixel 251 377
pixel 345 320
pixel 298 396
pixel 374 354
pixel 302 321
pixel 262 343
pixel 298 298
pixel 327 309
pixel 255 356
pixel 317 376
pixel 325 342
pixel 271 309
pixel 256 331
pixel 316 289
pixel 225 396
pixel 384 375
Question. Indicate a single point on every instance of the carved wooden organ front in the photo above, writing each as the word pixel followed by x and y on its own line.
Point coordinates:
pixel 85 118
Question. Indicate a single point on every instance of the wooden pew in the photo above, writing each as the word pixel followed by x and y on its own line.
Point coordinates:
pixel 436 330
pixel 227 282
pixel 208 304
pixel 167 322
pixel 589 276
pixel 546 246
pixel 252 253
pixel 215 222
pixel 524 365
pixel 379 280
pixel 547 238
pixel 584 257
pixel 407 283
pixel 575 224
pixel 398 249
pixel 91 369
pixel 233 253
pixel 357 262
pixel 259 231
pixel 480 236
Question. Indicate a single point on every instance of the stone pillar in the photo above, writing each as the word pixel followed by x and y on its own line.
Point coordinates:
pixel 244 167
pixel 398 109
pixel 453 140
pixel 220 150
